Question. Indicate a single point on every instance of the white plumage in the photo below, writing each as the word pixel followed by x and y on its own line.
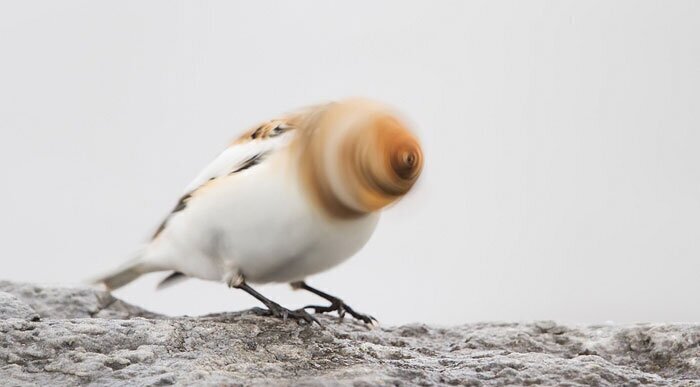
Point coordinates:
pixel 257 222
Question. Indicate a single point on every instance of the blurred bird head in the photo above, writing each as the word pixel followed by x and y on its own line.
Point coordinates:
pixel 359 157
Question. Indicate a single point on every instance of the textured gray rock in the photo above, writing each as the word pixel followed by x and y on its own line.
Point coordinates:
pixel 12 307
pixel 59 336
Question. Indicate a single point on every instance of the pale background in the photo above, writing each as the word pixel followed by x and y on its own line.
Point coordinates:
pixel 562 142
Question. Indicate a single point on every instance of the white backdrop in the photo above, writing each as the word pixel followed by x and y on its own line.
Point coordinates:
pixel 562 145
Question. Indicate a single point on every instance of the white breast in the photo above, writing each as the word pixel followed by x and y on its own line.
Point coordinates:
pixel 258 222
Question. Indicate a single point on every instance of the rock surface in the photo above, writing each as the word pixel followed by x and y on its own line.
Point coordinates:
pixel 61 336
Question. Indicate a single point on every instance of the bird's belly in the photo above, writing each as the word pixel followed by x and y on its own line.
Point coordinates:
pixel 262 225
pixel 333 243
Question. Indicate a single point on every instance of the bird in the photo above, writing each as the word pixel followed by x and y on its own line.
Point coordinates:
pixel 291 197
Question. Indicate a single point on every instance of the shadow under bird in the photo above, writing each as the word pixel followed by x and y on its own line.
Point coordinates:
pixel 290 198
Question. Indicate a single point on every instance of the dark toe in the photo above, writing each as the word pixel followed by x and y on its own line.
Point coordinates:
pixel 302 315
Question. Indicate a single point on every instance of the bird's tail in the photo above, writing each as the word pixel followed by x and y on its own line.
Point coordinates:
pixel 126 273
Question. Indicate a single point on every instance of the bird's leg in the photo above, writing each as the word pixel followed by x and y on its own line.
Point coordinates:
pixel 336 304
pixel 273 308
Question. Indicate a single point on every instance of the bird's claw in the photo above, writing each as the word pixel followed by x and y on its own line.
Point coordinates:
pixel 300 315
pixel 342 308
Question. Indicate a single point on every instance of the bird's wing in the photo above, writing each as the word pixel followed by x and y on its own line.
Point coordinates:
pixel 245 152
pixel 260 140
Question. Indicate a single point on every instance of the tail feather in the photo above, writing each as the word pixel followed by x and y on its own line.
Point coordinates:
pixel 126 273
pixel 121 278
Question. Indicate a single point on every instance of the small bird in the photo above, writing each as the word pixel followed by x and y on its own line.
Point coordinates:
pixel 291 197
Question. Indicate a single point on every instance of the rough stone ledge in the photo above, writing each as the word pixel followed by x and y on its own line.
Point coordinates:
pixel 63 336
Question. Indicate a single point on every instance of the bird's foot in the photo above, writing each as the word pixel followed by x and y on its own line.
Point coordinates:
pixel 273 308
pixel 339 306
pixel 276 310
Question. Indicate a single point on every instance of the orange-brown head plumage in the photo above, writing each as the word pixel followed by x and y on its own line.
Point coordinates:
pixel 356 156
